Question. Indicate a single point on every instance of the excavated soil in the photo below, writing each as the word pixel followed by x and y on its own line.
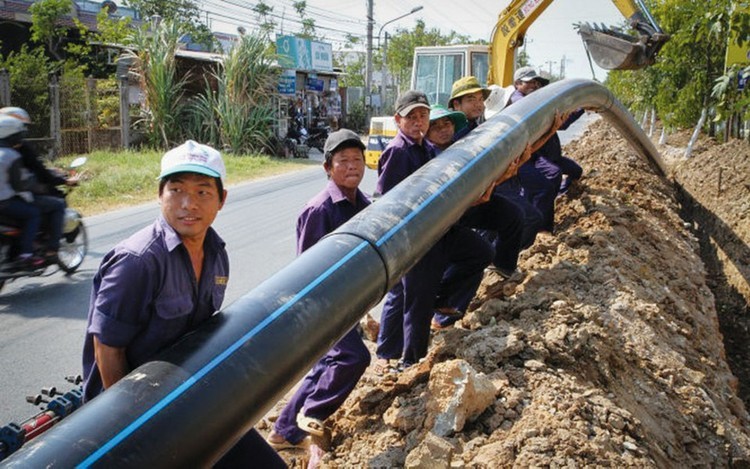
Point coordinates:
pixel 606 351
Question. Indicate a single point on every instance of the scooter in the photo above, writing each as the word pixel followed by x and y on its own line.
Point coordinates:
pixel 318 135
pixel 73 244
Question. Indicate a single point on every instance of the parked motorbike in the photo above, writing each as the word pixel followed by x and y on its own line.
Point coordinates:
pixel 295 142
pixel 73 244
pixel 318 135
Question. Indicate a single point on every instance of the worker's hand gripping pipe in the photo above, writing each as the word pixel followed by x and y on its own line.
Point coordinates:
pixel 190 404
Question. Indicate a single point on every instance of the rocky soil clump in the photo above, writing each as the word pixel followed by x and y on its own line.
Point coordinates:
pixel 604 351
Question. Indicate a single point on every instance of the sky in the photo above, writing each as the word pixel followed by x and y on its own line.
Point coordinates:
pixel 550 39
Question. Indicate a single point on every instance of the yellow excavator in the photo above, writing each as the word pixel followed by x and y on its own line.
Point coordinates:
pixel 435 68
pixel 610 49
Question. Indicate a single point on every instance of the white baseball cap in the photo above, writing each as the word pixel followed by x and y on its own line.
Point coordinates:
pixel 193 157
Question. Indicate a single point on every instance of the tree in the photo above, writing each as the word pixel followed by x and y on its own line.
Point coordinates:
pixel 266 22
pixel 308 24
pixel 186 13
pixel 45 28
pixel 238 114
pixel 680 84
pixel 29 84
pixel 155 65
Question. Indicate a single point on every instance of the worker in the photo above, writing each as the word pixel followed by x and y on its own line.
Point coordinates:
pixel 165 281
pixel 549 172
pixel 526 80
pixel 444 124
pixel 461 254
pixel 334 376
pixel 468 96
pixel 511 221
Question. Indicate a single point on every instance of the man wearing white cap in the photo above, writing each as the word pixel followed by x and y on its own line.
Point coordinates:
pixel 526 80
pixel 164 281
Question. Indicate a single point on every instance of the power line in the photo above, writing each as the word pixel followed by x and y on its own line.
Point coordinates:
pixel 249 7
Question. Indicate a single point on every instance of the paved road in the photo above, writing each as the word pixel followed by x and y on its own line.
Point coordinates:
pixel 42 320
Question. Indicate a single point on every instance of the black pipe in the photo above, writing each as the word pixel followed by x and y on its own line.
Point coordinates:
pixel 196 399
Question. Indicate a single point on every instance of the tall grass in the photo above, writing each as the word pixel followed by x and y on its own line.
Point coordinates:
pixel 156 67
pixel 238 114
pixel 114 180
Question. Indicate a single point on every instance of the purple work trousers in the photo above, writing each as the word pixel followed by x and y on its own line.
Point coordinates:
pixel 453 266
pixel 326 386
pixel 541 180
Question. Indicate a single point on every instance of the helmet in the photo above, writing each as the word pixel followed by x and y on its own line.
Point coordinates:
pixel 10 126
pixel 17 112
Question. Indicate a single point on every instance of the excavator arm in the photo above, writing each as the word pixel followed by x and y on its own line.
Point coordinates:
pixel 610 49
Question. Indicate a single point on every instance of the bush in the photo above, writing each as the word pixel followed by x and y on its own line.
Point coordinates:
pixel 29 86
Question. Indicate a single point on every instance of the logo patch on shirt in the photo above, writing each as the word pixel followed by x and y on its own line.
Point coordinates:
pixel 221 280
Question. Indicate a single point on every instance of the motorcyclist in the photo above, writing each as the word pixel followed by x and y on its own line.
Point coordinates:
pixel 46 196
pixel 14 202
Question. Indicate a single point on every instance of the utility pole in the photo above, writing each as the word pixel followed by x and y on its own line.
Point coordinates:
pixel 368 72
pixel 562 66
pixel 384 94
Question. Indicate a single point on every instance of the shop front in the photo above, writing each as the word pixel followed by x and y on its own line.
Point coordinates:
pixel 310 102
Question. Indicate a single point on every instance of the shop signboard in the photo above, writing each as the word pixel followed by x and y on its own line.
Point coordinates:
pixel 302 54
pixel 288 82
pixel 314 84
pixel 322 56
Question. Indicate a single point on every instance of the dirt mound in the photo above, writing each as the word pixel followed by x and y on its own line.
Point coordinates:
pixel 606 351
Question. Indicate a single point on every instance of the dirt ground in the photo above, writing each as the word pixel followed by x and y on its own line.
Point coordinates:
pixel 606 351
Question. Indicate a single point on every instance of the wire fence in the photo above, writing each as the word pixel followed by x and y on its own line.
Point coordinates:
pixel 83 114
pixel 89 115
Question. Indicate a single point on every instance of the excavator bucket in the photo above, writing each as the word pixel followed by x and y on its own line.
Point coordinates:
pixel 613 50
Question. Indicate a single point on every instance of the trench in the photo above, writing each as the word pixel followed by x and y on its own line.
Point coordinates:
pixel 732 308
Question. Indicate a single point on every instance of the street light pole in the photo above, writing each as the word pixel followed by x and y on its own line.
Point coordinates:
pixel 384 67
pixel 368 65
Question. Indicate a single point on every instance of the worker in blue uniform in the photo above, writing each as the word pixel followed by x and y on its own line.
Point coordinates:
pixel 461 254
pixel 163 282
pixel 332 379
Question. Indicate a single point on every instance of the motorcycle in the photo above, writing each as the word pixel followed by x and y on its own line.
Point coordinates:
pixel 318 135
pixel 295 142
pixel 73 243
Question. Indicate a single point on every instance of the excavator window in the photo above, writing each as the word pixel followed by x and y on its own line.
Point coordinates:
pixel 480 67
pixel 436 74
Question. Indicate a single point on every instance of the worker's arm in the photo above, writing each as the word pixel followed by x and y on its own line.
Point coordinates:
pixel 556 123
pixel 111 361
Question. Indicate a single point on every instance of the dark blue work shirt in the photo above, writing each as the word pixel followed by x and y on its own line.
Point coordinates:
pixel 145 296
pixel 401 157
pixel 471 125
pixel 325 212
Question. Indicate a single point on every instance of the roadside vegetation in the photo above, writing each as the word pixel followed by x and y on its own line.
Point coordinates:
pixel 112 180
